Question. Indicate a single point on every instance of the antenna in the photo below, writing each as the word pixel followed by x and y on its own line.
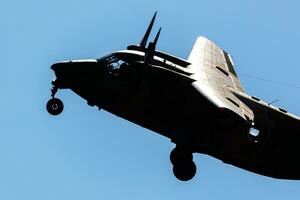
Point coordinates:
pixel 273 102
pixel 147 34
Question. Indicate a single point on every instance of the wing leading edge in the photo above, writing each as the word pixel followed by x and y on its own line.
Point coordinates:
pixel 215 76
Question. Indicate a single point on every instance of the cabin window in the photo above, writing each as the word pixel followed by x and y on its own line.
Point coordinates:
pixel 254 132
pixel 254 135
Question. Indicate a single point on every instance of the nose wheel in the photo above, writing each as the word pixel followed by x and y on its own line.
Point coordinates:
pixel 54 106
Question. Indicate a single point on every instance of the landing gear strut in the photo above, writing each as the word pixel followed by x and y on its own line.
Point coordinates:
pixel 184 167
pixel 54 106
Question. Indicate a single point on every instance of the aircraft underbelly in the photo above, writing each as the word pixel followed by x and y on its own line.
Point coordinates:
pixel 173 109
pixel 155 105
pixel 179 113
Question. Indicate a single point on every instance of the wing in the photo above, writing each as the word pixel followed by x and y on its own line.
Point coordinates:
pixel 277 152
pixel 214 71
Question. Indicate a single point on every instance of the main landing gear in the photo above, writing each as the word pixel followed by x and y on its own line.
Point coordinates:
pixel 54 106
pixel 184 167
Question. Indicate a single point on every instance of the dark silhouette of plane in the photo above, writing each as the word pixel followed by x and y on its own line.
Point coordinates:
pixel 198 103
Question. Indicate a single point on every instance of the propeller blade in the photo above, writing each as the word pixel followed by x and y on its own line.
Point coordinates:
pixel 151 48
pixel 156 38
pixel 147 34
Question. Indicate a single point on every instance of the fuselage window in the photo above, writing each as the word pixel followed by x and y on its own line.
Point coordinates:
pixel 254 132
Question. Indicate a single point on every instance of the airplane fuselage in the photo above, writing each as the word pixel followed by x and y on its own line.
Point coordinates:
pixel 157 98
pixel 198 103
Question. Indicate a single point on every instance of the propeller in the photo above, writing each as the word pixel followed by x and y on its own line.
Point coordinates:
pixel 147 34
pixel 151 47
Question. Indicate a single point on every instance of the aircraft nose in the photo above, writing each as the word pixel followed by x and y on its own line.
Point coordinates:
pixel 73 68
pixel 58 65
pixel 72 62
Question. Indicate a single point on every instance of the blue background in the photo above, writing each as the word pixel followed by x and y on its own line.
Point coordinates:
pixel 86 154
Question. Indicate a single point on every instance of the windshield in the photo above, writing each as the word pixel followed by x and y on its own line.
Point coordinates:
pixel 111 61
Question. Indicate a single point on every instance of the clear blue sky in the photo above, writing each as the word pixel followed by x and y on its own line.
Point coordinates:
pixel 87 154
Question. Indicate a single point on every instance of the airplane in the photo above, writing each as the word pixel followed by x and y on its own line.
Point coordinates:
pixel 198 103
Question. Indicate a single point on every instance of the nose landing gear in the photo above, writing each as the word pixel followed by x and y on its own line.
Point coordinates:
pixel 54 106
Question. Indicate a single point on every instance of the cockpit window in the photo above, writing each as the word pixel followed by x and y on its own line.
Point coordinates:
pixel 108 59
pixel 111 61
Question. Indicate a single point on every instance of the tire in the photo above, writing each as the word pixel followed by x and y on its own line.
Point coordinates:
pixel 178 155
pixel 185 171
pixel 55 106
